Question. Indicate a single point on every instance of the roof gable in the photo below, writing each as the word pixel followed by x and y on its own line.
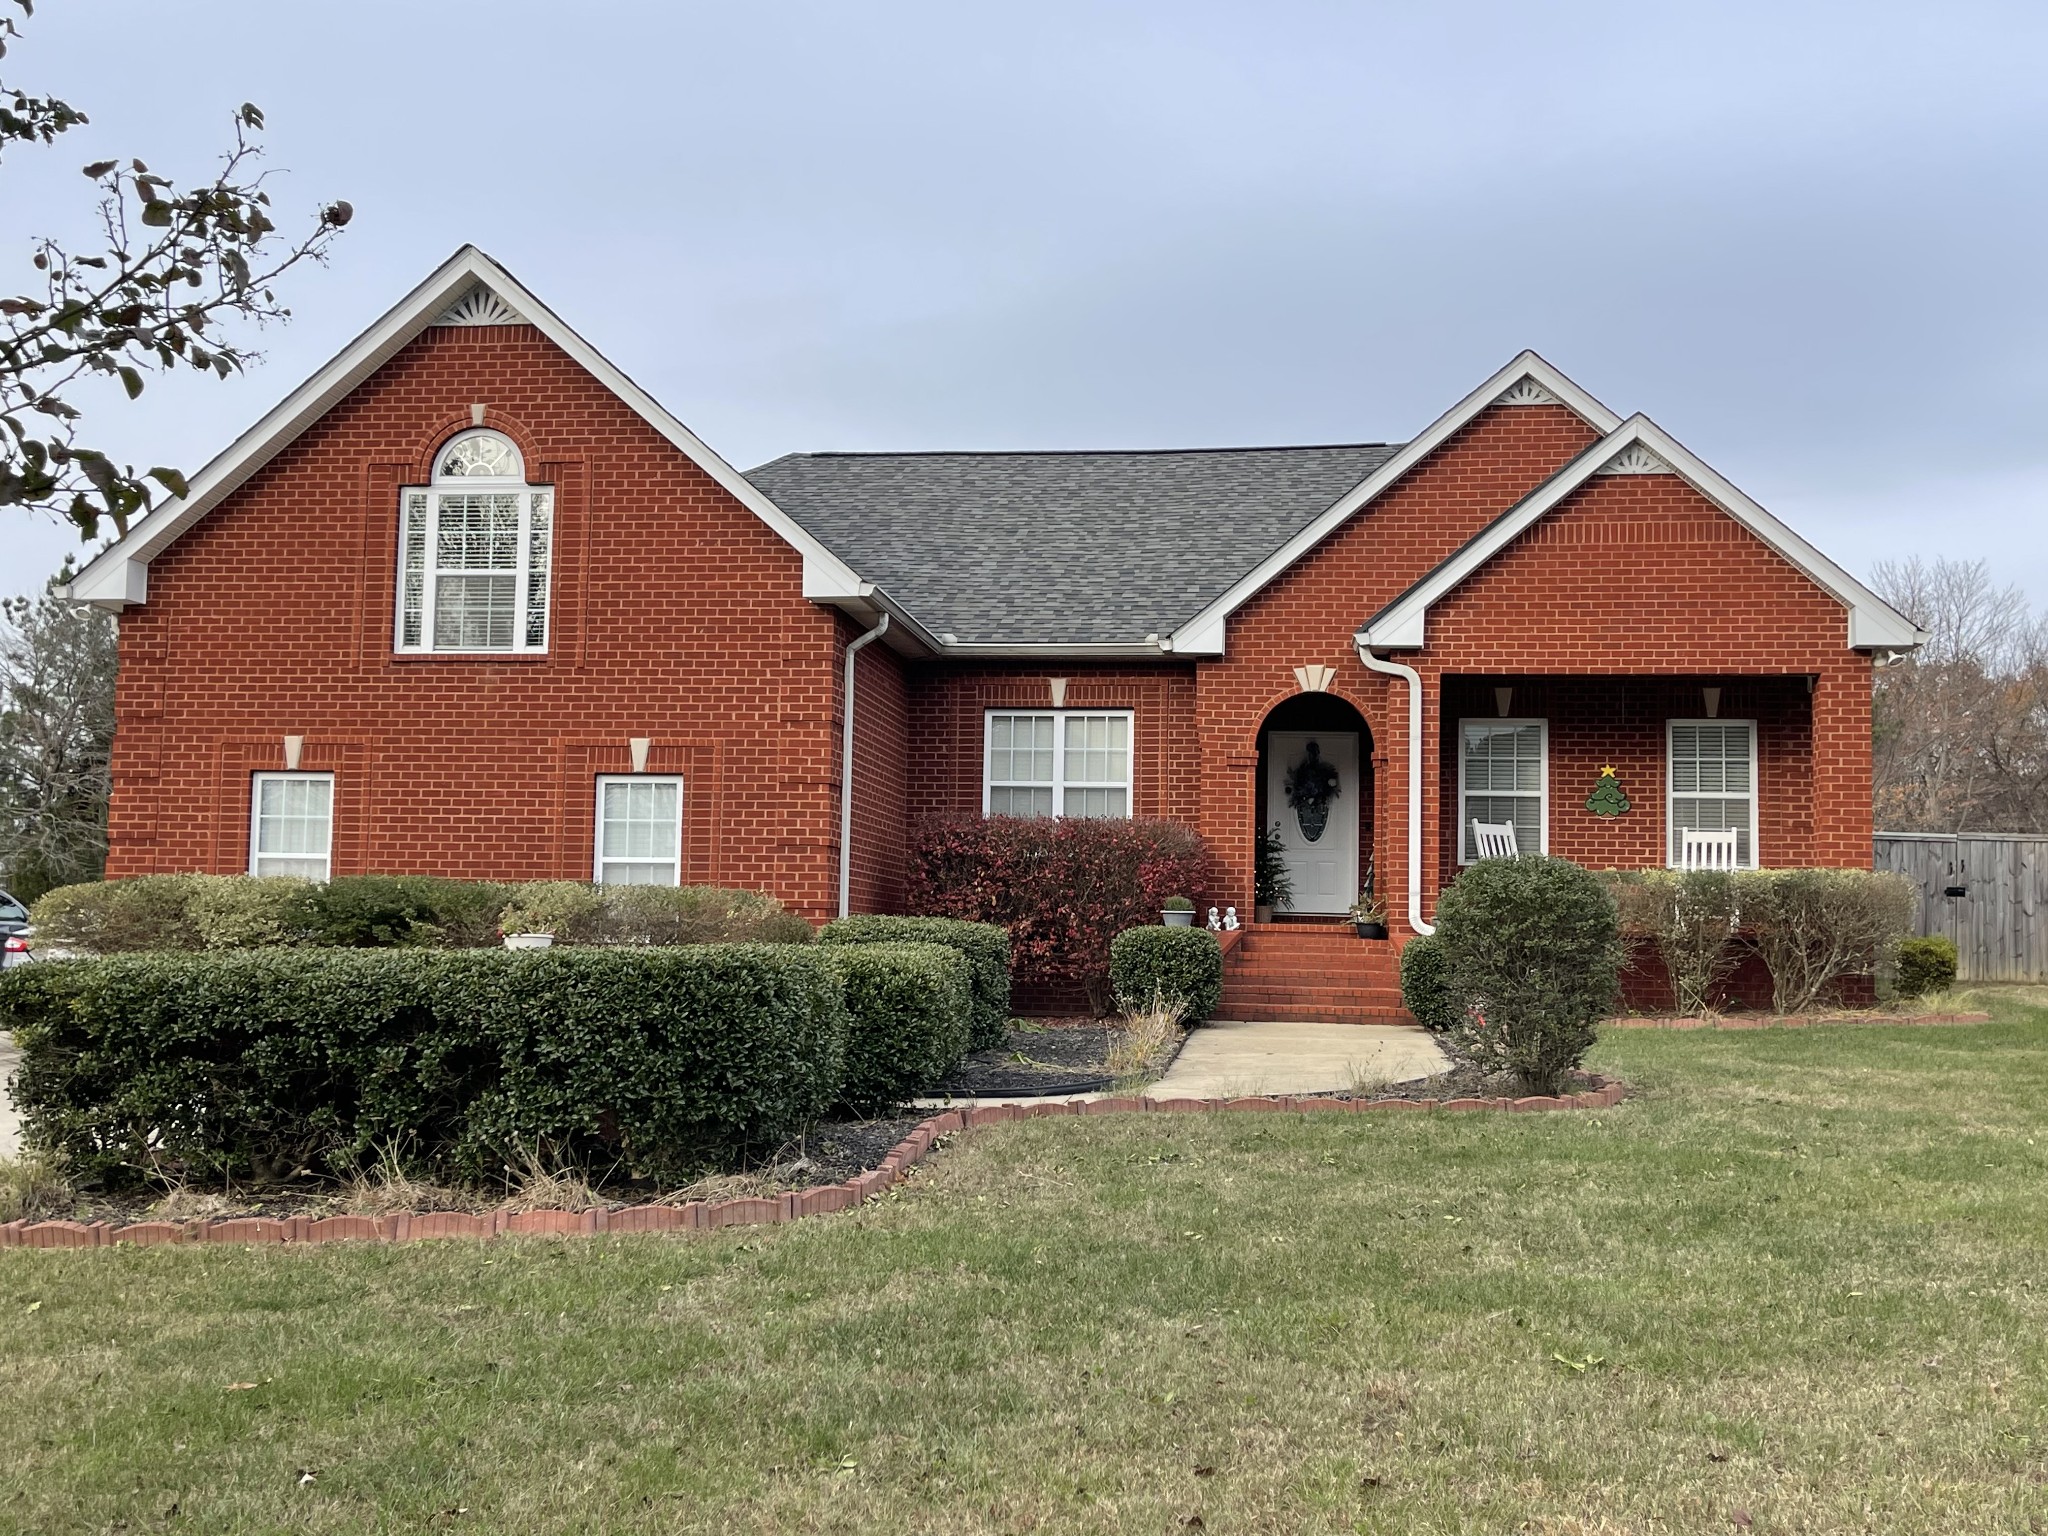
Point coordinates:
pixel 1638 446
pixel 1527 380
pixel 467 289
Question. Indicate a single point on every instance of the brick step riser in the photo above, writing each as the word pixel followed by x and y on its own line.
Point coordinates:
pixel 1336 1000
pixel 1309 968
pixel 1377 953
pixel 1266 1013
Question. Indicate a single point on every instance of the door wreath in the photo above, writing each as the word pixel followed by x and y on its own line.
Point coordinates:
pixel 1311 786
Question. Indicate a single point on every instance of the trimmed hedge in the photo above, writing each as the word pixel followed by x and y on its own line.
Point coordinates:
pixel 986 947
pixel 256 1064
pixel 909 1012
pixel 1532 953
pixel 1183 965
pixel 1812 928
pixel 1926 966
pixel 1426 983
pixel 387 911
pixel 197 912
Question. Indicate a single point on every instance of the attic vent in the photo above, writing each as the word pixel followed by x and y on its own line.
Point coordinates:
pixel 479 306
pixel 1635 459
pixel 1527 392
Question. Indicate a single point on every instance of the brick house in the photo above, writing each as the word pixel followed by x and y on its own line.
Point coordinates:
pixel 470 602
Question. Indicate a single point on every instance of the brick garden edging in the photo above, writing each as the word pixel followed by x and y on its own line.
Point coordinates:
pixel 1795 1020
pixel 702 1216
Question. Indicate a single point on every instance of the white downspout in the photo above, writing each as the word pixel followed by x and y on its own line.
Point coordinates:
pixel 853 649
pixel 1414 681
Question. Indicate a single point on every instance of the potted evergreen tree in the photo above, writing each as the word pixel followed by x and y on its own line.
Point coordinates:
pixel 1272 886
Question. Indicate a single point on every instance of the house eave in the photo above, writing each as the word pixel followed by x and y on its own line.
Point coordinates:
pixel 118 576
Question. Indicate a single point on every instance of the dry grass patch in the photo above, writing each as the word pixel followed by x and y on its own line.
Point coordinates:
pixel 1144 1039
pixel 32 1187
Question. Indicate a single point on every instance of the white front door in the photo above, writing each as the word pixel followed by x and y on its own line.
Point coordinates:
pixel 1319 820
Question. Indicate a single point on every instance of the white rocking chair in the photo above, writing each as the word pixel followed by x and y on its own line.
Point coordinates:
pixel 1495 839
pixel 1707 850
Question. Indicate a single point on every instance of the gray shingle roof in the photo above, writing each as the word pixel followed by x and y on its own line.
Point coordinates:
pixel 1060 548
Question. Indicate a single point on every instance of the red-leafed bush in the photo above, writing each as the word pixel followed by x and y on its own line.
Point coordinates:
pixel 1061 889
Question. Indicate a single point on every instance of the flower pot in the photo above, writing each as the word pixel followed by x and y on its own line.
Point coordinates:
pixel 1371 930
pixel 529 940
pixel 1178 919
pixel 1262 914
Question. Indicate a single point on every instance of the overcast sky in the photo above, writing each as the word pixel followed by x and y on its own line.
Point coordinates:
pixel 1809 240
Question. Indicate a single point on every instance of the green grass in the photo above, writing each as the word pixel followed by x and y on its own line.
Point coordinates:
pixel 1799 1279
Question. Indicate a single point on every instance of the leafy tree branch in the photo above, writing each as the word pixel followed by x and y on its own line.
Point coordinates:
pixel 175 269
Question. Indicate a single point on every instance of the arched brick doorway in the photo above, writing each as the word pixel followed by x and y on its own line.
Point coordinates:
pixel 1320 746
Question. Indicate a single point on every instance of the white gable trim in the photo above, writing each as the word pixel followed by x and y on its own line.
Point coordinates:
pixel 1873 624
pixel 120 574
pixel 1203 634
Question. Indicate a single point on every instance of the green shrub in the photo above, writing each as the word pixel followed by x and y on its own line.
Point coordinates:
pixel 909 1016
pixel 1926 966
pixel 397 911
pixel 244 911
pixel 571 910
pixel 1532 951
pixel 1182 965
pixel 111 917
pixel 1693 918
pixel 650 914
pixel 1814 927
pixel 986 946
pixel 1426 985
pixel 256 1063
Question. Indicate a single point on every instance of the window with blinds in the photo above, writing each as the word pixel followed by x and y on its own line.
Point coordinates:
pixel 291 824
pixel 474 553
pixel 1713 784
pixel 639 830
pixel 1057 763
pixel 1503 776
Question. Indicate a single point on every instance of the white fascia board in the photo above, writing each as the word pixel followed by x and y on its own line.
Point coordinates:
pixel 1872 623
pixel 1058 650
pixel 1203 634
pixel 119 575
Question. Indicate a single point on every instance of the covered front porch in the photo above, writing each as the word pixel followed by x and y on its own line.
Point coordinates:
pixel 1610 771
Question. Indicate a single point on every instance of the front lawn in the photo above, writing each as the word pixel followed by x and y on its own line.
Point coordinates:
pixel 1796 1284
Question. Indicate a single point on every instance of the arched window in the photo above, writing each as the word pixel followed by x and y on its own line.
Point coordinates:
pixel 473 551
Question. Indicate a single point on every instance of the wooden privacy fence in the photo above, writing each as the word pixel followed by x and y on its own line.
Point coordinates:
pixel 1987 892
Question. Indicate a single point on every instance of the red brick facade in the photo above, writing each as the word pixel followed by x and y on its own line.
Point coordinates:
pixel 679 616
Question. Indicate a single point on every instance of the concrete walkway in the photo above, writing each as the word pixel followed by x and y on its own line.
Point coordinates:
pixel 1227 1060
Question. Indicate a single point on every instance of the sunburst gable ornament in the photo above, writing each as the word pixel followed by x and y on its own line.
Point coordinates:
pixel 1607 798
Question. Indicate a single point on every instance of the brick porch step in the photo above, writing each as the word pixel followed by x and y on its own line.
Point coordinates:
pixel 1314 972
pixel 1271 1013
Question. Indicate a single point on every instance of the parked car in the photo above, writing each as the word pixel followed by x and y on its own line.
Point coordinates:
pixel 14 932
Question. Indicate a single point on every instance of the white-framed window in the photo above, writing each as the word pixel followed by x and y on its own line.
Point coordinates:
pixel 1057 762
pixel 1711 784
pixel 473 553
pixel 639 829
pixel 1504 776
pixel 291 824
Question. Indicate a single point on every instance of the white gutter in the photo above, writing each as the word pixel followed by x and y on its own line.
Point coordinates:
pixel 853 649
pixel 1414 681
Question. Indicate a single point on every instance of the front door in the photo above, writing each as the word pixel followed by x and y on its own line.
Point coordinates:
pixel 1312 792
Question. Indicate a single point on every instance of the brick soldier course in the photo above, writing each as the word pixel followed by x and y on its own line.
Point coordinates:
pixel 705 616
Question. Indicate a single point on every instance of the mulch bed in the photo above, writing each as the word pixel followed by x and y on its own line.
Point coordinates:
pixel 831 1154
pixel 1041 1058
